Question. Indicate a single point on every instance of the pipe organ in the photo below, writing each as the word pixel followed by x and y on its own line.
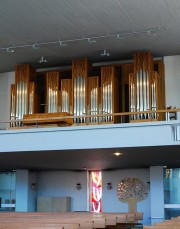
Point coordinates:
pixel 109 90
pixel 52 88
pixel 21 100
pixel 143 85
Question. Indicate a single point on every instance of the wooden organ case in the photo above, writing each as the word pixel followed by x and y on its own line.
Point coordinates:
pixel 66 95
pixel 52 89
pixel 23 93
pixel 80 72
pixel 108 90
pixel 109 94
pixel 145 92
pixel 93 98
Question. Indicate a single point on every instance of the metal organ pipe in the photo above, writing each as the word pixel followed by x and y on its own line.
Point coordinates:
pixel 143 95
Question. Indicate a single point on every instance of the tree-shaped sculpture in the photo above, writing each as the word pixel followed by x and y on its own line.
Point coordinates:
pixel 132 190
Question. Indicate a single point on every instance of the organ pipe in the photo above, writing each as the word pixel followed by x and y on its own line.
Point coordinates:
pixel 93 100
pixel 143 87
pixel 32 98
pixel 66 95
pixel 109 91
pixel 80 68
pixel 13 104
pixel 52 88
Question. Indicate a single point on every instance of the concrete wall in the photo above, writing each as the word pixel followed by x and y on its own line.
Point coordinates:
pixel 157 194
pixel 172 81
pixel 6 79
pixel 115 135
pixel 22 190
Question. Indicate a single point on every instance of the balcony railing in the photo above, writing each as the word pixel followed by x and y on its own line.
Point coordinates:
pixel 59 119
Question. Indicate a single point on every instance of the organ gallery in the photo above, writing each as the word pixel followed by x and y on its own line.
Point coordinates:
pixel 90 94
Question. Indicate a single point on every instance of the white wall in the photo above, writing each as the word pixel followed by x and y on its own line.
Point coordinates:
pixel 172 81
pixel 110 201
pixel 63 184
pixel 6 79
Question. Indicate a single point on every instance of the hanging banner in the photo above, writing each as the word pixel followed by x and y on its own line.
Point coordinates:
pixel 96 191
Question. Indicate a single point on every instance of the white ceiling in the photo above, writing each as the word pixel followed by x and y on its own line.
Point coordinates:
pixel 40 21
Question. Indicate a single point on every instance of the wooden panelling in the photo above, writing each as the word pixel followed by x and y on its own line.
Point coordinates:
pixel 25 73
pixel 80 72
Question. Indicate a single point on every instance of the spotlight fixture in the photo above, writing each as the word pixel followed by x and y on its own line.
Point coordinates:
pixel 120 36
pixel 61 43
pixel 105 53
pixel 42 60
pixel 91 40
pixel 10 50
pixel 151 33
pixel 35 46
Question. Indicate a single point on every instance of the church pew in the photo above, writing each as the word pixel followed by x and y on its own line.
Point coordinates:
pixel 95 220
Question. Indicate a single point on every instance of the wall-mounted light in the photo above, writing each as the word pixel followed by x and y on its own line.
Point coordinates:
pixel 10 50
pixel 109 185
pixel 78 186
pixel 33 186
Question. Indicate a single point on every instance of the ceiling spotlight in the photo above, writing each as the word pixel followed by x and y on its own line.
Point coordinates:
pixel 42 60
pixel 117 154
pixel 35 46
pixel 151 33
pixel 105 53
pixel 10 50
pixel 61 43
pixel 91 41
pixel 120 36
